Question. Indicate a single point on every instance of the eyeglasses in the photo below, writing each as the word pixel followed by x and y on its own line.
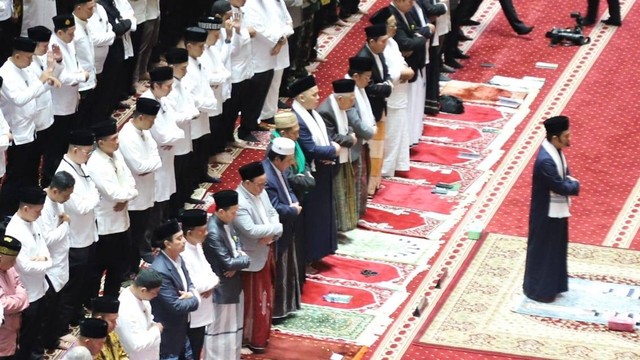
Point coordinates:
pixel 86 152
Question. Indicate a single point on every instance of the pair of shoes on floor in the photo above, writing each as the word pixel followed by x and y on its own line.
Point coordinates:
pixel 453 63
pixel 210 179
pixel 458 54
pixel 195 201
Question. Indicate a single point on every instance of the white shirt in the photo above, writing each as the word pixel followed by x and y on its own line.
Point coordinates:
pixel 203 279
pixel 56 236
pixel 85 53
pixel 214 61
pixel 32 273
pixel 140 338
pixel 197 82
pixel 101 35
pixel 81 205
pixel 126 11
pixel 395 64
pixel 271 20
pixel 140 153
pixel 115 184
pixel 152 10
pixel 139 9
pixel 166 133
pixel 18 101
pixel 44 104
pixel 65 99
pixel 181 102
pixel 37 12
pixel 6 9
pixel 4 142
pixel 241 63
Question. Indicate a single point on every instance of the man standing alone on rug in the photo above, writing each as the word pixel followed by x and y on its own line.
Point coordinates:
pixel 546 266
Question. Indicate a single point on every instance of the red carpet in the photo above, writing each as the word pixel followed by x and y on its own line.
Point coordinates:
pixel 413 197
pixel 281 346
pixel 340 267
pixel 394 220
pixel 430 175
pixel 451 134
pixel 314 291
pixel 474 113
pixel 442 154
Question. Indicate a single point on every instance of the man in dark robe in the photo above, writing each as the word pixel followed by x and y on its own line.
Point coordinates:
pixel 546 266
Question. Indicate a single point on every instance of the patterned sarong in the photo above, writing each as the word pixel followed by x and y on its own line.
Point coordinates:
pixel 344 195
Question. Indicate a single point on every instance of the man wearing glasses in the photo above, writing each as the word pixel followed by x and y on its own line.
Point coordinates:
pixel 258 226
pixel 83 232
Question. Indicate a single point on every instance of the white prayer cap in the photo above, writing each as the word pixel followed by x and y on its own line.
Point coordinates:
pixel 283 146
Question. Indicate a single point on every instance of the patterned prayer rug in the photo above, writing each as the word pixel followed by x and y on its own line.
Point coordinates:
pixel 325 322
pixel 386 247
pixel 477 315
pixel 587 301
pixel 482 93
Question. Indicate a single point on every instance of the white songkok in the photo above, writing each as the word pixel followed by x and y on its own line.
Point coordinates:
pixel 283 146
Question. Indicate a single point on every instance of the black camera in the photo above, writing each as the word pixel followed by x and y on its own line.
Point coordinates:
pixel 569 36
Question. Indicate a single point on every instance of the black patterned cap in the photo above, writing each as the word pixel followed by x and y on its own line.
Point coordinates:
pixel 9 245
pixel 195 34
pixel 210 23
pixel 64 21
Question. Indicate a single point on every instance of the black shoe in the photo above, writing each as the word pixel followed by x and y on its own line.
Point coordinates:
pixel 463 37
pixel 458 54
pixel 430 111
pixel 211 179
pixel 524 29
pixel 469 22
pixel 453 63
pixel 194 201
pixel 248 137
pixel 447 69
pixel 269 121
pixel 588 22
pixel 612 22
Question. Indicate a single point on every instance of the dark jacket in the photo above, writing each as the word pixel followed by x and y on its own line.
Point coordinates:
pixel 326 111
pixel 408 40
pixel 219 254
pixel 168 309
pixel 377 91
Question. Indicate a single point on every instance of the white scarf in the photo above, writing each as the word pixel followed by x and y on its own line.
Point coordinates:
pixel 342 124
pixel 315 124
pixel 363 105
pixel 558 204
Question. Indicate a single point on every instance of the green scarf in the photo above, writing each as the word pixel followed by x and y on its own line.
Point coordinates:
pixel 299 155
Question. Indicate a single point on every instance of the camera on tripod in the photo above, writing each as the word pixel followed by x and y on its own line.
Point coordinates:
pixel 569 36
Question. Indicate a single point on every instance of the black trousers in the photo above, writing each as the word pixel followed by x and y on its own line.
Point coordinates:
pixel 108 256
pixel 156 217
pixel 110 82
pixel 51 328
pixel 86 108
pixel 184 181
pixel 196 338
pixel 348 8
pixel 432 100
pixel 22 170
pixel 614 10
pixel 326 16
pixel 140 246
pixel 221 132
pixel 258 87
pixel 75 293
pixel 200 166
pixel 29 340
pixel 8 30
pixel 57 145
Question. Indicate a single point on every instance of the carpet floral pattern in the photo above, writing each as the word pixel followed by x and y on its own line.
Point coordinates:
pixel 477 315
